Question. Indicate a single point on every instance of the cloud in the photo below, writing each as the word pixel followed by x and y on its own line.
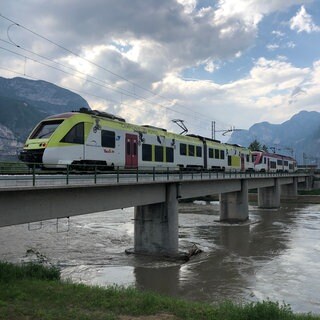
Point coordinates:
pixel 211 66
pixel 302 22
pixel 265 93
pixel 149 44
pixel 278 33
pixel 272 47
pixel 162 35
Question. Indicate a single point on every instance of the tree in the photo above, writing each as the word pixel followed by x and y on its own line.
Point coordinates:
pixel 255 145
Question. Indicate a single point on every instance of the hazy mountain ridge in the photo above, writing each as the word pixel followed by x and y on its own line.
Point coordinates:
pixel 301 133
pixel 23 103
pixel 42 95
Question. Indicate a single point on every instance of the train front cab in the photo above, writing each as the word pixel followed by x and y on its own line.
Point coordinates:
pixel 37 142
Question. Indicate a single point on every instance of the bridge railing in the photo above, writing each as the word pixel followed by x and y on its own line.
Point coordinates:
pixel 20 175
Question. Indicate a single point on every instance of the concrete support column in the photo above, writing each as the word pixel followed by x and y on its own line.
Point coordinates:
pixel 234 205
pixel 269 197
pixel 289 191
pixel 156 226
pixel 309 182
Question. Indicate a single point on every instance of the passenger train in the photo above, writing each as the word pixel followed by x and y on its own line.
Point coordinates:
pixel 92 138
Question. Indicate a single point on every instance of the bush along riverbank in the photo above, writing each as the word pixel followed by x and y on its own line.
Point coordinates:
pixel 36 292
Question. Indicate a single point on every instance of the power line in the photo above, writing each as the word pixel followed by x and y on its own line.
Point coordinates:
pixel 106 86
pixel 76 90
pixel 87 80
pixel 93 63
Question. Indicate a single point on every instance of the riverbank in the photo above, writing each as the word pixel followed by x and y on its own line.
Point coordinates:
pixel 309 197
pixel 301 198
pixel 36 292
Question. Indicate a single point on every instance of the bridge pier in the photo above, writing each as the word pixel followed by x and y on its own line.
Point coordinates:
pixel 156 226
pixel 234 205
pixel 308 183
pixel 290 190
pixel 269 197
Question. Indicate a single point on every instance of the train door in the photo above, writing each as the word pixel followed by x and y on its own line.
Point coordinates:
pixel 205 155
pixel 131 151
pixel 242 163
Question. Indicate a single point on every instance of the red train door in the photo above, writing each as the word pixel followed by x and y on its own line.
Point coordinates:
pixel 242 163
pixel 131 151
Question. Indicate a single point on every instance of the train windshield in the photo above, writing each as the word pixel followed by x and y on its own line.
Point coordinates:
pixel 45 129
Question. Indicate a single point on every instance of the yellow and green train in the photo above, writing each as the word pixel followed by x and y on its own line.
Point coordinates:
pixel 91 138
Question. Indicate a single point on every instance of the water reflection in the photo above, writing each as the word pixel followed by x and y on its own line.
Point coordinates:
pixel 164 279
pixel 276 256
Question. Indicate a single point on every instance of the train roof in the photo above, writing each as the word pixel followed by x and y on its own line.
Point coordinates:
pixel 101 114
pixel 273 155
pixel 202 138
pixel 153 127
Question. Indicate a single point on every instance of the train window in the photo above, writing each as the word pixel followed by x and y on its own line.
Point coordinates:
pixel 45 129
pixel 279 162
pixel 128 148
pixel 217 153
pixel 210 153
pixel 290 166
pixel 264 160
pixel 183 149
pixel 191 150
pixel 286 163
pixel 273 165
pixel 75 134
pixel 222 154
pixel 229 160
pixel 147 152
pixel 108 139
pixel 199 151
pixel 169 154
pixel 248 158
pixel 158 153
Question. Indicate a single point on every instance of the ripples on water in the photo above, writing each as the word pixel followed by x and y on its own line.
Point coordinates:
pixel 275 257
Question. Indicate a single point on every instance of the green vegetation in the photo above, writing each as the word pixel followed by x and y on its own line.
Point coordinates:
pixel 36 292
pixel 315 192
pixel 256 146
pixel 13 167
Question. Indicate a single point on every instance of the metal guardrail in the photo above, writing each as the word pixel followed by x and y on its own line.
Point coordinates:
pixel 20 175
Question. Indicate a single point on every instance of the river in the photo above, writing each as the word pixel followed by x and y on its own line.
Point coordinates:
pixel 276 256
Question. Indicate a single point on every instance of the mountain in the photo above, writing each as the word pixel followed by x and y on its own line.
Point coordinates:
pixel 299 136
pixel 44 96
pixel 23 103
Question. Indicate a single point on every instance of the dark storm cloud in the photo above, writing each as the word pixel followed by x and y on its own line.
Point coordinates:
pixel 184 39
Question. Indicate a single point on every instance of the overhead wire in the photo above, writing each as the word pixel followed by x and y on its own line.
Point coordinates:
pixel 115 88
pixel 90 81
pixel 76 90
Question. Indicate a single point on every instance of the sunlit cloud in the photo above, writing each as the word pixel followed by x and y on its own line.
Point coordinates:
pixel 302 22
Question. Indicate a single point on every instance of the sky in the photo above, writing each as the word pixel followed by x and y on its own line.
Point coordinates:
pixel 228 62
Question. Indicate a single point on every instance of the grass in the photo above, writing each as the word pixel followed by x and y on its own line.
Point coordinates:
pixel 35 292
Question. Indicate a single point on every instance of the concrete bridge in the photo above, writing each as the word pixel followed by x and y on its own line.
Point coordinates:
pixel 155 198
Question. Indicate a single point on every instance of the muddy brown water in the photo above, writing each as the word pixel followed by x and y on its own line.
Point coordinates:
pixel 276 256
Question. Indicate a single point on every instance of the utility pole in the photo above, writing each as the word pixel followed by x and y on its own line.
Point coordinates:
pixel 213 130
pixel 224 132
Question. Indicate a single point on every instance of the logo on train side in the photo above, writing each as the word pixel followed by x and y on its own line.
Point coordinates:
pixel 107 150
